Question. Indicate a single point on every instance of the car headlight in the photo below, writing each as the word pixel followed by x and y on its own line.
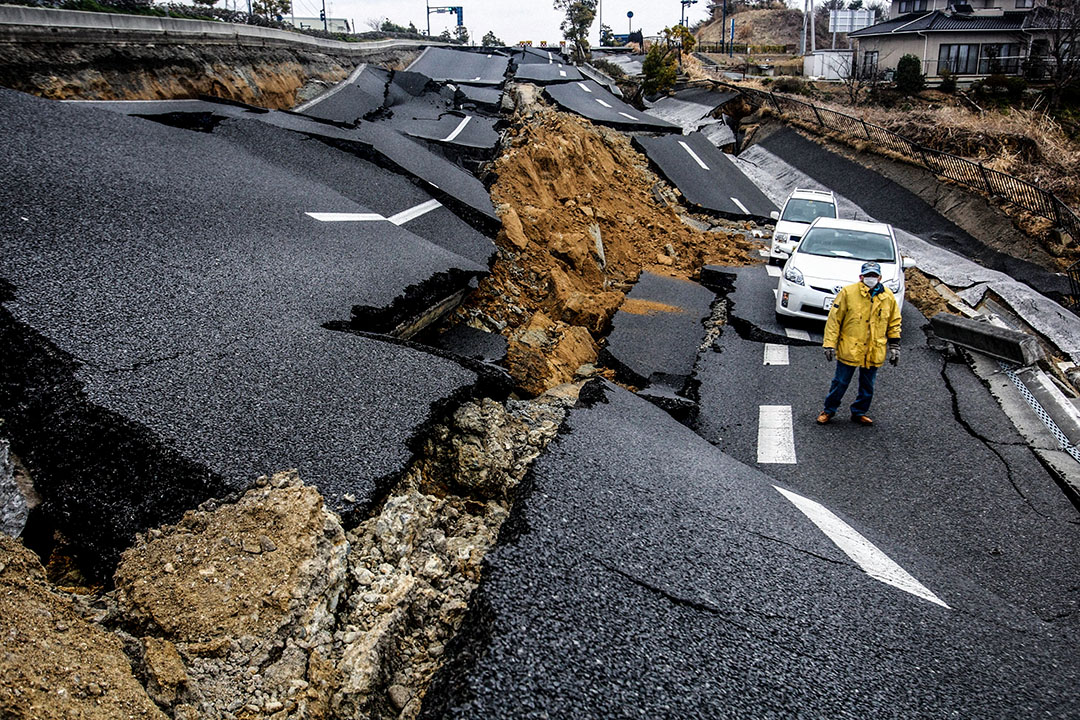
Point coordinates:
pixel 780 237
pixel 893 285
pixel 793 275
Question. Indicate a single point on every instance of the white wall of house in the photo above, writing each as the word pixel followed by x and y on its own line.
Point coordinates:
pixel 986 46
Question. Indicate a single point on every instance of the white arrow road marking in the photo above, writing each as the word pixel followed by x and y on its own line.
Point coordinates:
pixel 584 87
pixel 628 115
pixel 796 334
pixel 695 156
pixel 773 270
pixel 400 219
pixel 457 131
pixel 412 213
pixel 775 436
pixel 602 103
pixel 874 563
pixel 741 206
pixel 776 354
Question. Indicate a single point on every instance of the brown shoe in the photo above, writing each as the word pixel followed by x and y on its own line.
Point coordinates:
pixel 861 420
pixel 824 417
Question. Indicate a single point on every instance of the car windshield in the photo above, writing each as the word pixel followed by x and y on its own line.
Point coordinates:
pixel 804 211
pixel 854 244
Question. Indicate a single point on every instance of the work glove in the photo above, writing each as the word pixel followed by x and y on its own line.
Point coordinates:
pixel 894 354
pixel 830 354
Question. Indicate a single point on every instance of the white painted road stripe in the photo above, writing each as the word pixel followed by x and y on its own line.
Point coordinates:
pixel 874 563
pixel 602 103
pixel 741 206
pixel 628 115
pixel 773 270
pixel 584 87
pixel 695 156
pixel 763 252
pixel 562 73
pixel 412 213
pixel 346 217
pixel 457 131
pixel 776 354
pixel 795 334
pixel 549 58
pixel 775 436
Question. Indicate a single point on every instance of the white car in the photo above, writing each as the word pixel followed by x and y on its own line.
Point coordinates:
pixel 829 257
pixel 800 209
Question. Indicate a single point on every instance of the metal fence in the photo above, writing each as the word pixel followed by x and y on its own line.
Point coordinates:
pixel 996 184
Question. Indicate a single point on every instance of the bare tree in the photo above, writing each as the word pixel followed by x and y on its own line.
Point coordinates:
pixel 375 23
pixel 1061 18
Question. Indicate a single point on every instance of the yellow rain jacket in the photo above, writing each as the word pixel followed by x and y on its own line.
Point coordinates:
pixel 859 327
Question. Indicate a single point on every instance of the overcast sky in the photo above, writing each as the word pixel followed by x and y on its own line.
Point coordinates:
pixel 511 20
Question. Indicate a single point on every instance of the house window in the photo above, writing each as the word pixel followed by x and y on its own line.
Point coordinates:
pixel 958 59
pixel 1000 58
pixel 870 63
pixel 1023 4
pixel 910 6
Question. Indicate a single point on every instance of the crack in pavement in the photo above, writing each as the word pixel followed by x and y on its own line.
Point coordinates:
pixel 705 606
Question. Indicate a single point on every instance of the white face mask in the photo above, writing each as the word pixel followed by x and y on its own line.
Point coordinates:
pixel 870 281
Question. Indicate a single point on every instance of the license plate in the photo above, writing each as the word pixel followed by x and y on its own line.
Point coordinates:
pixel 828 302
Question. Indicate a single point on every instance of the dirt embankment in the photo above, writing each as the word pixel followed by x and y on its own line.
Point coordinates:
pixel 583 216
pixel 268 77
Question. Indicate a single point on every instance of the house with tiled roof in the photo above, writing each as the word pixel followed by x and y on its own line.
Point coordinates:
pixel 968 38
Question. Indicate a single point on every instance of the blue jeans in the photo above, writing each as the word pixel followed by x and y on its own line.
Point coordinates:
pixel 839 386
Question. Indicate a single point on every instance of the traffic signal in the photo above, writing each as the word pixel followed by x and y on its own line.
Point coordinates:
pixel 322 15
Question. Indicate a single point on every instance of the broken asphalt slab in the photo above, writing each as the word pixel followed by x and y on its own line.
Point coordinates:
pixel 458 66
pixel 352 99
pixel 591 100
pixel 751 294
pixel 166 293
pixel 656 333
pixel 705 176
pixel 544 73
pixel 688 107
pixel 665 579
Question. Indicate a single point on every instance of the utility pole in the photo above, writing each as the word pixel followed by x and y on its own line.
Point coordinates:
pixel 325 27
pixel 805 19
pixel 600 20
pixel 813 32
pixel 427 6
pixel 723 30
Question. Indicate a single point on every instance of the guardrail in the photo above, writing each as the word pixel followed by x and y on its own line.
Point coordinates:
pixel 961 170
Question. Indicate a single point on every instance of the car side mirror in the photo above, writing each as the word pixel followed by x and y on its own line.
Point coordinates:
pixel 774 215
pixel 906 262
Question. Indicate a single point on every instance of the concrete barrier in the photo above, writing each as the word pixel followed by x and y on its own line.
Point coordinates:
pixel 74 25
pixel 1002 343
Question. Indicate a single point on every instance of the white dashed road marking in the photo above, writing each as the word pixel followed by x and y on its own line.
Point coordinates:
pixel 776 354
pixel 874 563
pixel 628 115
pixel 584 87
pixel 698 160
pixel 773 270
pixel 776 436
pixel 796 334
pixel 457 131
pixel 741 206
pixel 562 73
pixel 399 219
pixel 602 103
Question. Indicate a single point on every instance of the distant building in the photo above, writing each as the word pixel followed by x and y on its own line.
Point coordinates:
pixel 969 39
pixel 334 25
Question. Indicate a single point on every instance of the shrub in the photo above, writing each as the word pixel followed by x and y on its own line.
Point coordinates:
pixel 909 77
pixel 790 85
pixel 948 82
pixel 660 71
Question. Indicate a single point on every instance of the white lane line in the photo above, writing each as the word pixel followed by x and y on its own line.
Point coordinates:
pixel 602 103
pixel 346 217
pixel 476 78
pixel 584 87
pixel 458 129
pixel 412 213
pixel 562 73
pixel 629 116
pixel 549 59
pixel 741 206
pixel 796 334
pixel 773 270
pixel 763 252
pixel 874 563
pixel 775 435
pixel 775 354
pixel 333 91
pixel 695 156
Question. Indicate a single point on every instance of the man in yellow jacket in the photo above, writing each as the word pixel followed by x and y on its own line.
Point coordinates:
pixel 863 328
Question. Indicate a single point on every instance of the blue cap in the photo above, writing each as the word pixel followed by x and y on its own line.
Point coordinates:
pixel 870 268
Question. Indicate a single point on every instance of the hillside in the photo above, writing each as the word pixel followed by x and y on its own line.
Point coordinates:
pixel 768 27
